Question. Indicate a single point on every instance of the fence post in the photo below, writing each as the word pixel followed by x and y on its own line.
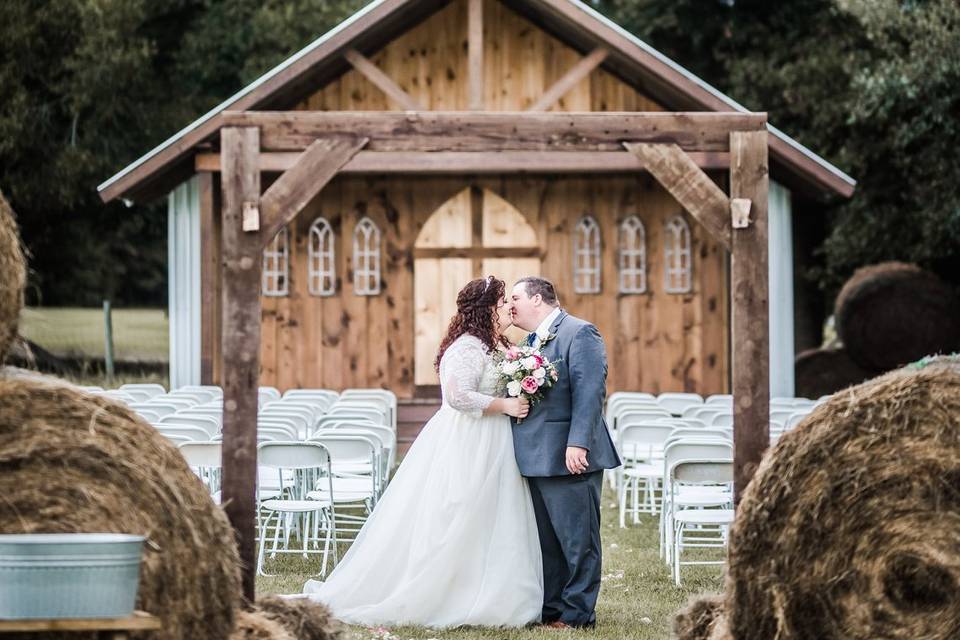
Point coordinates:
pixel 108 340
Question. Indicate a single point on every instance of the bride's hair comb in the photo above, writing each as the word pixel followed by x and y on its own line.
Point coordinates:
pixel 487 283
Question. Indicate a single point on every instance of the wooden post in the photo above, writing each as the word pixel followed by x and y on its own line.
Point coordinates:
pixel 475 54
pixel 750 322
pixel 209 276
pixel 242 264
pixel 108 341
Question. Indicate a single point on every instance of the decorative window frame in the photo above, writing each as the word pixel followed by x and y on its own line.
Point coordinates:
pixel 677 256
pixel 632 256
pixel 321 259
pixel 586 256
pixel 275 279
pixel 366 258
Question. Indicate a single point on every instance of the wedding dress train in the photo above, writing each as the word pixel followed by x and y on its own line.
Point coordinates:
pixel 453 540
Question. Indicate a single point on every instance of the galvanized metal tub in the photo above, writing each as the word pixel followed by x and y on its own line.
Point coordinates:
pixel 69 575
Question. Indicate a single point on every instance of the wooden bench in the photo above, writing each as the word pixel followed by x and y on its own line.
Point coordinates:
pixel 113 628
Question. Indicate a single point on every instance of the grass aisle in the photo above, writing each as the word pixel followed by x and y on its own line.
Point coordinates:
pixel 637 598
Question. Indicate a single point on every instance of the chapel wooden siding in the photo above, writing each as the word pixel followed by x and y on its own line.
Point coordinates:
pixel 656 341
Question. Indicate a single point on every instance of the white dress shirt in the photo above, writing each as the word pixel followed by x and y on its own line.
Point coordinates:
pixel 544 327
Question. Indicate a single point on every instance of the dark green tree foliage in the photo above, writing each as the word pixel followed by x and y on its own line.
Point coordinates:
pixel 872 85
pixel 90 85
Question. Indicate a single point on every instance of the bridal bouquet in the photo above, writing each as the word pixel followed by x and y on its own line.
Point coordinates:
pixel 525 372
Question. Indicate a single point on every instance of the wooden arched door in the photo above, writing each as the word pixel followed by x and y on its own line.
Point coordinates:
pixel 475 233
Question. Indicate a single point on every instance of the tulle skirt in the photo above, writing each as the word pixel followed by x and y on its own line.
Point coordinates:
pixel 453 540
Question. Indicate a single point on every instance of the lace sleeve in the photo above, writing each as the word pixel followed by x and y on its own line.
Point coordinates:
pixel 460 371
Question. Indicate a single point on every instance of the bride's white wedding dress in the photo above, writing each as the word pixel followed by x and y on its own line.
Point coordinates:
pixel 453 540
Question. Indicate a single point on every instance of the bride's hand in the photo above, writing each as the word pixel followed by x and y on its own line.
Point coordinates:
pixel 516 407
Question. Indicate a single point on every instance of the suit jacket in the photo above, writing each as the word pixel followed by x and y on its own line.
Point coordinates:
pixel 571 412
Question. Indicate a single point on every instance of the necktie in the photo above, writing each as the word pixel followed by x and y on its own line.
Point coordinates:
pixel 531 337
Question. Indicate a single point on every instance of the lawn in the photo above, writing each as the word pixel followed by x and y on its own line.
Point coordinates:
pixel 138 334
pixel 637 600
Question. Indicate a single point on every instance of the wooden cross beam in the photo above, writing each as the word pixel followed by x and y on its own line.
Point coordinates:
pixel 496 131
pixel 570 79
pixel 301 182
pixel 381 80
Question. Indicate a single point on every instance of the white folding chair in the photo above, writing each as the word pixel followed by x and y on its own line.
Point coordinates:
pixel 148 389
pixel 370 413
pixel 178 403
pixel 719 398
pixel 205 458
pixel 299 468
pixel 356 482
pixel 183 432
pixel 641 449
pixel 676 403
pixel 386 435
pixel 722 420
pixel 208 424
pixel 693 526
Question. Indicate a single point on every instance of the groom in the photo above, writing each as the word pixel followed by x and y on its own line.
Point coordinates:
pixel 562 447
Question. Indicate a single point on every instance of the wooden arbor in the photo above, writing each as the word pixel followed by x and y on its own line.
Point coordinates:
pixel 670 146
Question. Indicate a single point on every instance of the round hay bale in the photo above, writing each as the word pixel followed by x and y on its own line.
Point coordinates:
pixel 301 617
pixel 14 270
pixel 892 313
pixel 74 462
pixel 256 625
pixel 821 372
pixel 702 619
pixel 851 527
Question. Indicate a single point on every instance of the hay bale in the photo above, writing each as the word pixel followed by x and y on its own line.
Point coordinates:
pixel 702 619
pixel 73 462
pixel 851 527
pixel 14 270
pixel 892 313
pixel 256 625
pixel 302 617
pixel 821 372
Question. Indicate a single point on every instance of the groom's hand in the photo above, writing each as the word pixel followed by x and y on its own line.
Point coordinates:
pixel 576 460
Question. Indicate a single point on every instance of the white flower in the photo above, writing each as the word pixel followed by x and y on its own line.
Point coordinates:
pixel 539 374
pixel 541 381
pixel 529 363
pixel 543 334
pixel 510 368
pixel 513 388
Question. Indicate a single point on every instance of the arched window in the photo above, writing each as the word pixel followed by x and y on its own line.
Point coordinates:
pixel 366 258
pixel 321 263
pixel 276 265
pixel 678 263
pixel 633 256
pixel 586 256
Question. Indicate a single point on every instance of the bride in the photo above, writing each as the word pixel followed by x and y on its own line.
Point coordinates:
pixel 453 541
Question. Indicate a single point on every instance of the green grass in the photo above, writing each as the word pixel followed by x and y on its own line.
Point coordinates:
pixel 138 334
pixel 637 597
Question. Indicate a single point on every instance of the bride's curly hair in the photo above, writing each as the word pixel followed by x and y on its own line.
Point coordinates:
pixel 476 315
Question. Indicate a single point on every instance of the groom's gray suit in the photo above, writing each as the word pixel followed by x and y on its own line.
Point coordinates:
pixel 567 506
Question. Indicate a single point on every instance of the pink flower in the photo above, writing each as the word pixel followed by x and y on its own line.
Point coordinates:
pixel 554 374
pixel 529 384
pixel 539 360
pixel 512 353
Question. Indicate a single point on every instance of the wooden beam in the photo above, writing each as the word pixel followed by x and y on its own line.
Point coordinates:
pixel 497 131
pixel 242 264
pixel 300 183
pixel 690 186
pixel 381 80
pixel 457 162
pixel 570 79
pixel 476 229
pixel 750 323
pixel 475 54
pixel 209 274
pixel 477 252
